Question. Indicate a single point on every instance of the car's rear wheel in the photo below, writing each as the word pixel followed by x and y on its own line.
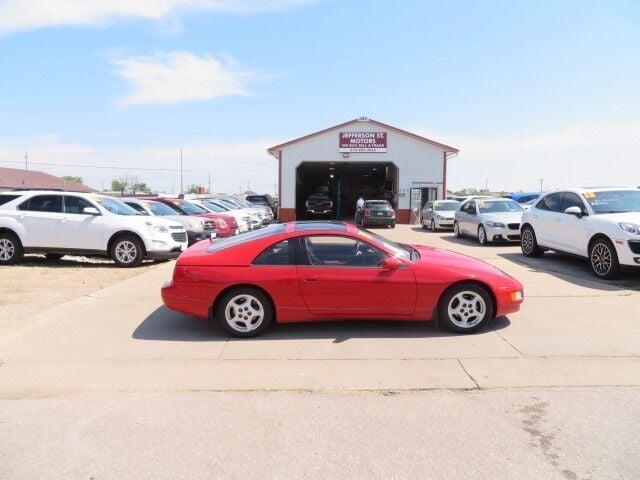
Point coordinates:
pixel 456 230
pixel 10 249
pixel 244 312
pixel 482 235
pixel 127 251
pixel 424 225
pixel 529 243
pixel 465 308
pixel 604 259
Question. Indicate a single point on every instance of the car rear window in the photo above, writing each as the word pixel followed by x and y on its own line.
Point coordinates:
pixel 377 205
pixel 7 198
pixel 265 232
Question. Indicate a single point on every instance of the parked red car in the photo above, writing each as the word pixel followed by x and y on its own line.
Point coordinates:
pixel 313 271
pixel 226 225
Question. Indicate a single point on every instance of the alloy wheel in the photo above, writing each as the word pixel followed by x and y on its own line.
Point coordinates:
pixel 482 236
pixel 467 309
pixel 244 313
pixel 7 249
pixel 126 251
pixel 601 259
pixel 527 241
pixel 433 225
pixel 456 229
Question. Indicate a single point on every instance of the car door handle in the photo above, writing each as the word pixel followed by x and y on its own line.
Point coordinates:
pixel 310 279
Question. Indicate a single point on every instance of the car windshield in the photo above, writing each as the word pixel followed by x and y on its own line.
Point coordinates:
pixel 399 250
pixel 446 206
pixel 613 201
pixel 160 209
pixel 258 200
pixel 499 206
pixel 115 206
pixel 189 208
pixel 229 204
pixel 268 231
pixel 215 208
pixel 377 205
pixel 242 202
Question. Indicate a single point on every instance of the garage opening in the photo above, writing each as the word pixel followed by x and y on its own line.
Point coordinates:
pixel 343 183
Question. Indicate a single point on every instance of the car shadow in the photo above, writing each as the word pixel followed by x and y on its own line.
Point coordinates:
pixel 573 270
pixel 473 242
pixel 166 325
pixel 70 261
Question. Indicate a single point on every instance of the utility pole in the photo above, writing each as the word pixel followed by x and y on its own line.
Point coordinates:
pixel 181 184
pixel 209 189
pixel 486 184
pixel 26 161
pixel 541 180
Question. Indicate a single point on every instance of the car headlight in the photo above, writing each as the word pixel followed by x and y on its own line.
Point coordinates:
pixel 631 228
pixel 156 227
pixel 495 224
pixel 196 225
pixel 440 217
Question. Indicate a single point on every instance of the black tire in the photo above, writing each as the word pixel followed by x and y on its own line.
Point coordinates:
pixel 393 225
pixel 54 256
pixel 257 300
pixel 482 236
pixel 11 251
pixel 529 243
pixel 603 259
pixel 424 226
pixel 433 226
pixel 480 304
pixel 127 251
pixel 456 230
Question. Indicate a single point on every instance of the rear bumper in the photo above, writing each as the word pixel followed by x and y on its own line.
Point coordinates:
pixel 378 221
pixel 172 300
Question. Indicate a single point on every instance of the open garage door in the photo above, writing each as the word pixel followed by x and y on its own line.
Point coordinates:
pixel 343 183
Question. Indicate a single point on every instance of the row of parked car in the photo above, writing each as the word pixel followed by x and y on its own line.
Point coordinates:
pixel 127 230
pixel 600 224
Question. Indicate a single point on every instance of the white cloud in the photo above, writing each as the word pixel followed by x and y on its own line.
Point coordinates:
pixel 232 165
pixel 19 15
pixel 173 77
pixel 574 155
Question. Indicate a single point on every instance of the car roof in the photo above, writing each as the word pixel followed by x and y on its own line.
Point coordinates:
pixel 581 190
pixel 326 226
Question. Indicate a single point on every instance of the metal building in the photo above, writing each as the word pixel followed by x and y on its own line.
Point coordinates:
pixel 361 157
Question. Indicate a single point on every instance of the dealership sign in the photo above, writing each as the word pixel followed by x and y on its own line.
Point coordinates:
pixel 366 142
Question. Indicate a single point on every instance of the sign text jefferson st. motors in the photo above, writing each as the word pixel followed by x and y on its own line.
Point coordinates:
pixel 354 142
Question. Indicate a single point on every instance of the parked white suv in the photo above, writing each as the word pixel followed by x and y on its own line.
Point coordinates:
pixel 601 224
pixel 60 223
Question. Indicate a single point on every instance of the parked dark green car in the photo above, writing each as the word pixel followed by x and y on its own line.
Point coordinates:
pixel 376 213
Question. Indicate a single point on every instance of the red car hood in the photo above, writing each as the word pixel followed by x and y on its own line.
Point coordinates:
pixel 454 262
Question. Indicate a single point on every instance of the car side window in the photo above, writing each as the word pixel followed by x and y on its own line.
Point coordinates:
pixel 75 205
pixel 43 203
pixel 551 203
pixel 338 251
pixel 471 208
pixel 280 253
pixel 137 207
pixel 570 199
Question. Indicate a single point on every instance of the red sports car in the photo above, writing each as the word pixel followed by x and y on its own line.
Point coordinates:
pixel 314 271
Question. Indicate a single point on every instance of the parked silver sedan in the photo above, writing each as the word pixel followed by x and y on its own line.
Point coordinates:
pixel 439 214
pixel 489 220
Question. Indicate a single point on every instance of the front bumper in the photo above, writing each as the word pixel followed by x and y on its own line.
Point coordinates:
pixel 502 234
pixel 444 223
pixel 319 212
pixel 628 251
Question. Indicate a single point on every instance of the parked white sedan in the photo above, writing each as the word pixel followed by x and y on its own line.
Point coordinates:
pixel 489 220
pixel 439 214
pixel 600 224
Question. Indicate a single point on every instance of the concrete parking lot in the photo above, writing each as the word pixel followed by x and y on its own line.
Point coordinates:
pixel 111 384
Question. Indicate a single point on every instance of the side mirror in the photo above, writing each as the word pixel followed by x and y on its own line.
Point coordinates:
pixel 90 211
pixel 390 263
pixel 574 211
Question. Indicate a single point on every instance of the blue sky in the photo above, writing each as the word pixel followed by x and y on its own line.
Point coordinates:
pixel 526 90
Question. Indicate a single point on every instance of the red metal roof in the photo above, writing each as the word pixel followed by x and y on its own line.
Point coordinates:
pixel 446 148
pixel 12 178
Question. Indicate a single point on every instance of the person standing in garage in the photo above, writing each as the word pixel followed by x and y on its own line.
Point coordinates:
pixel 359 205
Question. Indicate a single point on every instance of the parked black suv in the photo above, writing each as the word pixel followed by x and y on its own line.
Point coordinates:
pixel 319 205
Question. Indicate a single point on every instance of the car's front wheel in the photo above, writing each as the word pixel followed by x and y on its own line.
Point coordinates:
pixel 244 312
pixel 456 230
pixel 127 251
pixel 604 259
pixel 465 308
pixel 10 249
pixel 529 243
pixel 433 225
pixel 482 235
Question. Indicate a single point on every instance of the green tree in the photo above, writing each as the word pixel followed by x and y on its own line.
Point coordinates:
pixel 118 185
pixel 193 188
pixel 141 187
pixel 70 179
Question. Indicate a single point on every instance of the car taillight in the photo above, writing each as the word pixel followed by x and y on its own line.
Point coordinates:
pixel 367 213
pixel 220 223
pixel 392 214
